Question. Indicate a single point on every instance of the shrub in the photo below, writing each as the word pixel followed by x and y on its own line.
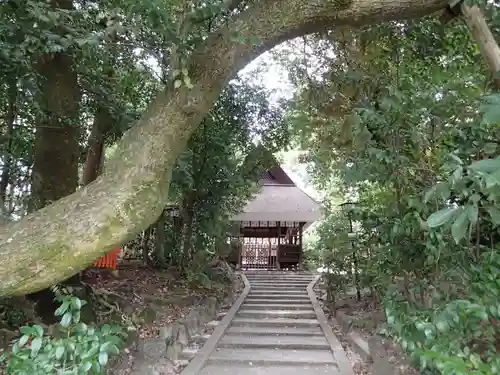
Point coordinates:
pixel 75 348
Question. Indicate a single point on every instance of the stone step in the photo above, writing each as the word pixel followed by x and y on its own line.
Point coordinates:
pixel 292 314
pixel 259 295
pixel 280 322
pixel 198 340
pixel 279 301
pixel 279 284
pixel 293 292
pixel 187 354
pixel 270 357
pixel 213 324
pixel 251 369
pixel 279 287
pixel 280 280
pixel 278 274
pixel 221 315
pixel 276 306
pixel 279 293
pixel 274 342
pixel 275 330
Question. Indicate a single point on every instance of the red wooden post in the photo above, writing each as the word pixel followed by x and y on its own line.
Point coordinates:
pixel 108 261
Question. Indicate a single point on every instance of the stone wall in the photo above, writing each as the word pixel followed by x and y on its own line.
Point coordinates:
pixel 384 357
pixel 156 355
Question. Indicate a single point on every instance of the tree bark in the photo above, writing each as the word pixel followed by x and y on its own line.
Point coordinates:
pixel 95 152
pixel 8 138
pixel 59 240
pixel 160 240
pixel 103 123
pixel 483 36
pixel 56 148
pixel 187 215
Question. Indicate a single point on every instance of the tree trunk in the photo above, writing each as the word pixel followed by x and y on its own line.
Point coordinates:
pixel 59 240
pixel 103 123
pixel 187 232
pixel 160 240
pixel 8 137
pixel 95 153
pixel 56 146
pixel 55 167
pixel 145 247
pixel 484 38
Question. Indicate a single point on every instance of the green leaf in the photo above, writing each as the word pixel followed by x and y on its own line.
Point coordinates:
pixel 76 303
pixel 76 316
pixel 177 83
pixel 66 319
pixel 104 346
pixel 103 358
pixel 472 213
pixel 187 82
pixel 38 330
pixel 23 340
pixel 491 109
pixel 442 326
pixel 494 214
pixel 36 344
pixel 60 352
pixel 460 226
pixel 62 309
pixel 429 193
pixel 441 217
pixel 486 165
pixel 490 148
pixel 27 330
pixel 85 367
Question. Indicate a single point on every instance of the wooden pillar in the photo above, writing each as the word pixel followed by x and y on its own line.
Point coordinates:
pixel 301 225
pixel 278 228
pixel 241 241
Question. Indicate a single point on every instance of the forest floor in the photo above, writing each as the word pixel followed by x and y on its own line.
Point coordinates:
pixel 139 297
pixel 152 298
pixel 365 314
pixel 366 317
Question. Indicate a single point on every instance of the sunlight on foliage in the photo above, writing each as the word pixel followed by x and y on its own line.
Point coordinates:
pixel 396 119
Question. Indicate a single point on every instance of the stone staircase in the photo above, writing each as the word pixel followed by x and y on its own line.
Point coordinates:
pixel 275 331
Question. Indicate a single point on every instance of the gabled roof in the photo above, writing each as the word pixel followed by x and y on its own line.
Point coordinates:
pixel 276 176
pixel 279 199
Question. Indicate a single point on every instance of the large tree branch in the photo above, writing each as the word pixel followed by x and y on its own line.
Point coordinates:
pixel 59 240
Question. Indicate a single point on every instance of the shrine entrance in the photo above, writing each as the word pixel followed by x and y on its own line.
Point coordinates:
pixel 268 233
pixel 258 253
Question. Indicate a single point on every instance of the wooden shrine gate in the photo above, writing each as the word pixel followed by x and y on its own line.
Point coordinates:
pixel 258 253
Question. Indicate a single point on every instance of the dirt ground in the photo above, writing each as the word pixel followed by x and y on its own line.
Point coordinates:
pixel 367 316
pixel 143 298
pixel 152 298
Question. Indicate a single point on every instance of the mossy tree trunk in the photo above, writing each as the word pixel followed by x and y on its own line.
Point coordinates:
pixel 59 240
pixel 56 148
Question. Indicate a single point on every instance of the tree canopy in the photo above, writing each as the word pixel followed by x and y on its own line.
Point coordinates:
pixel 402 120
pixel 204 44
pixel 112 110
